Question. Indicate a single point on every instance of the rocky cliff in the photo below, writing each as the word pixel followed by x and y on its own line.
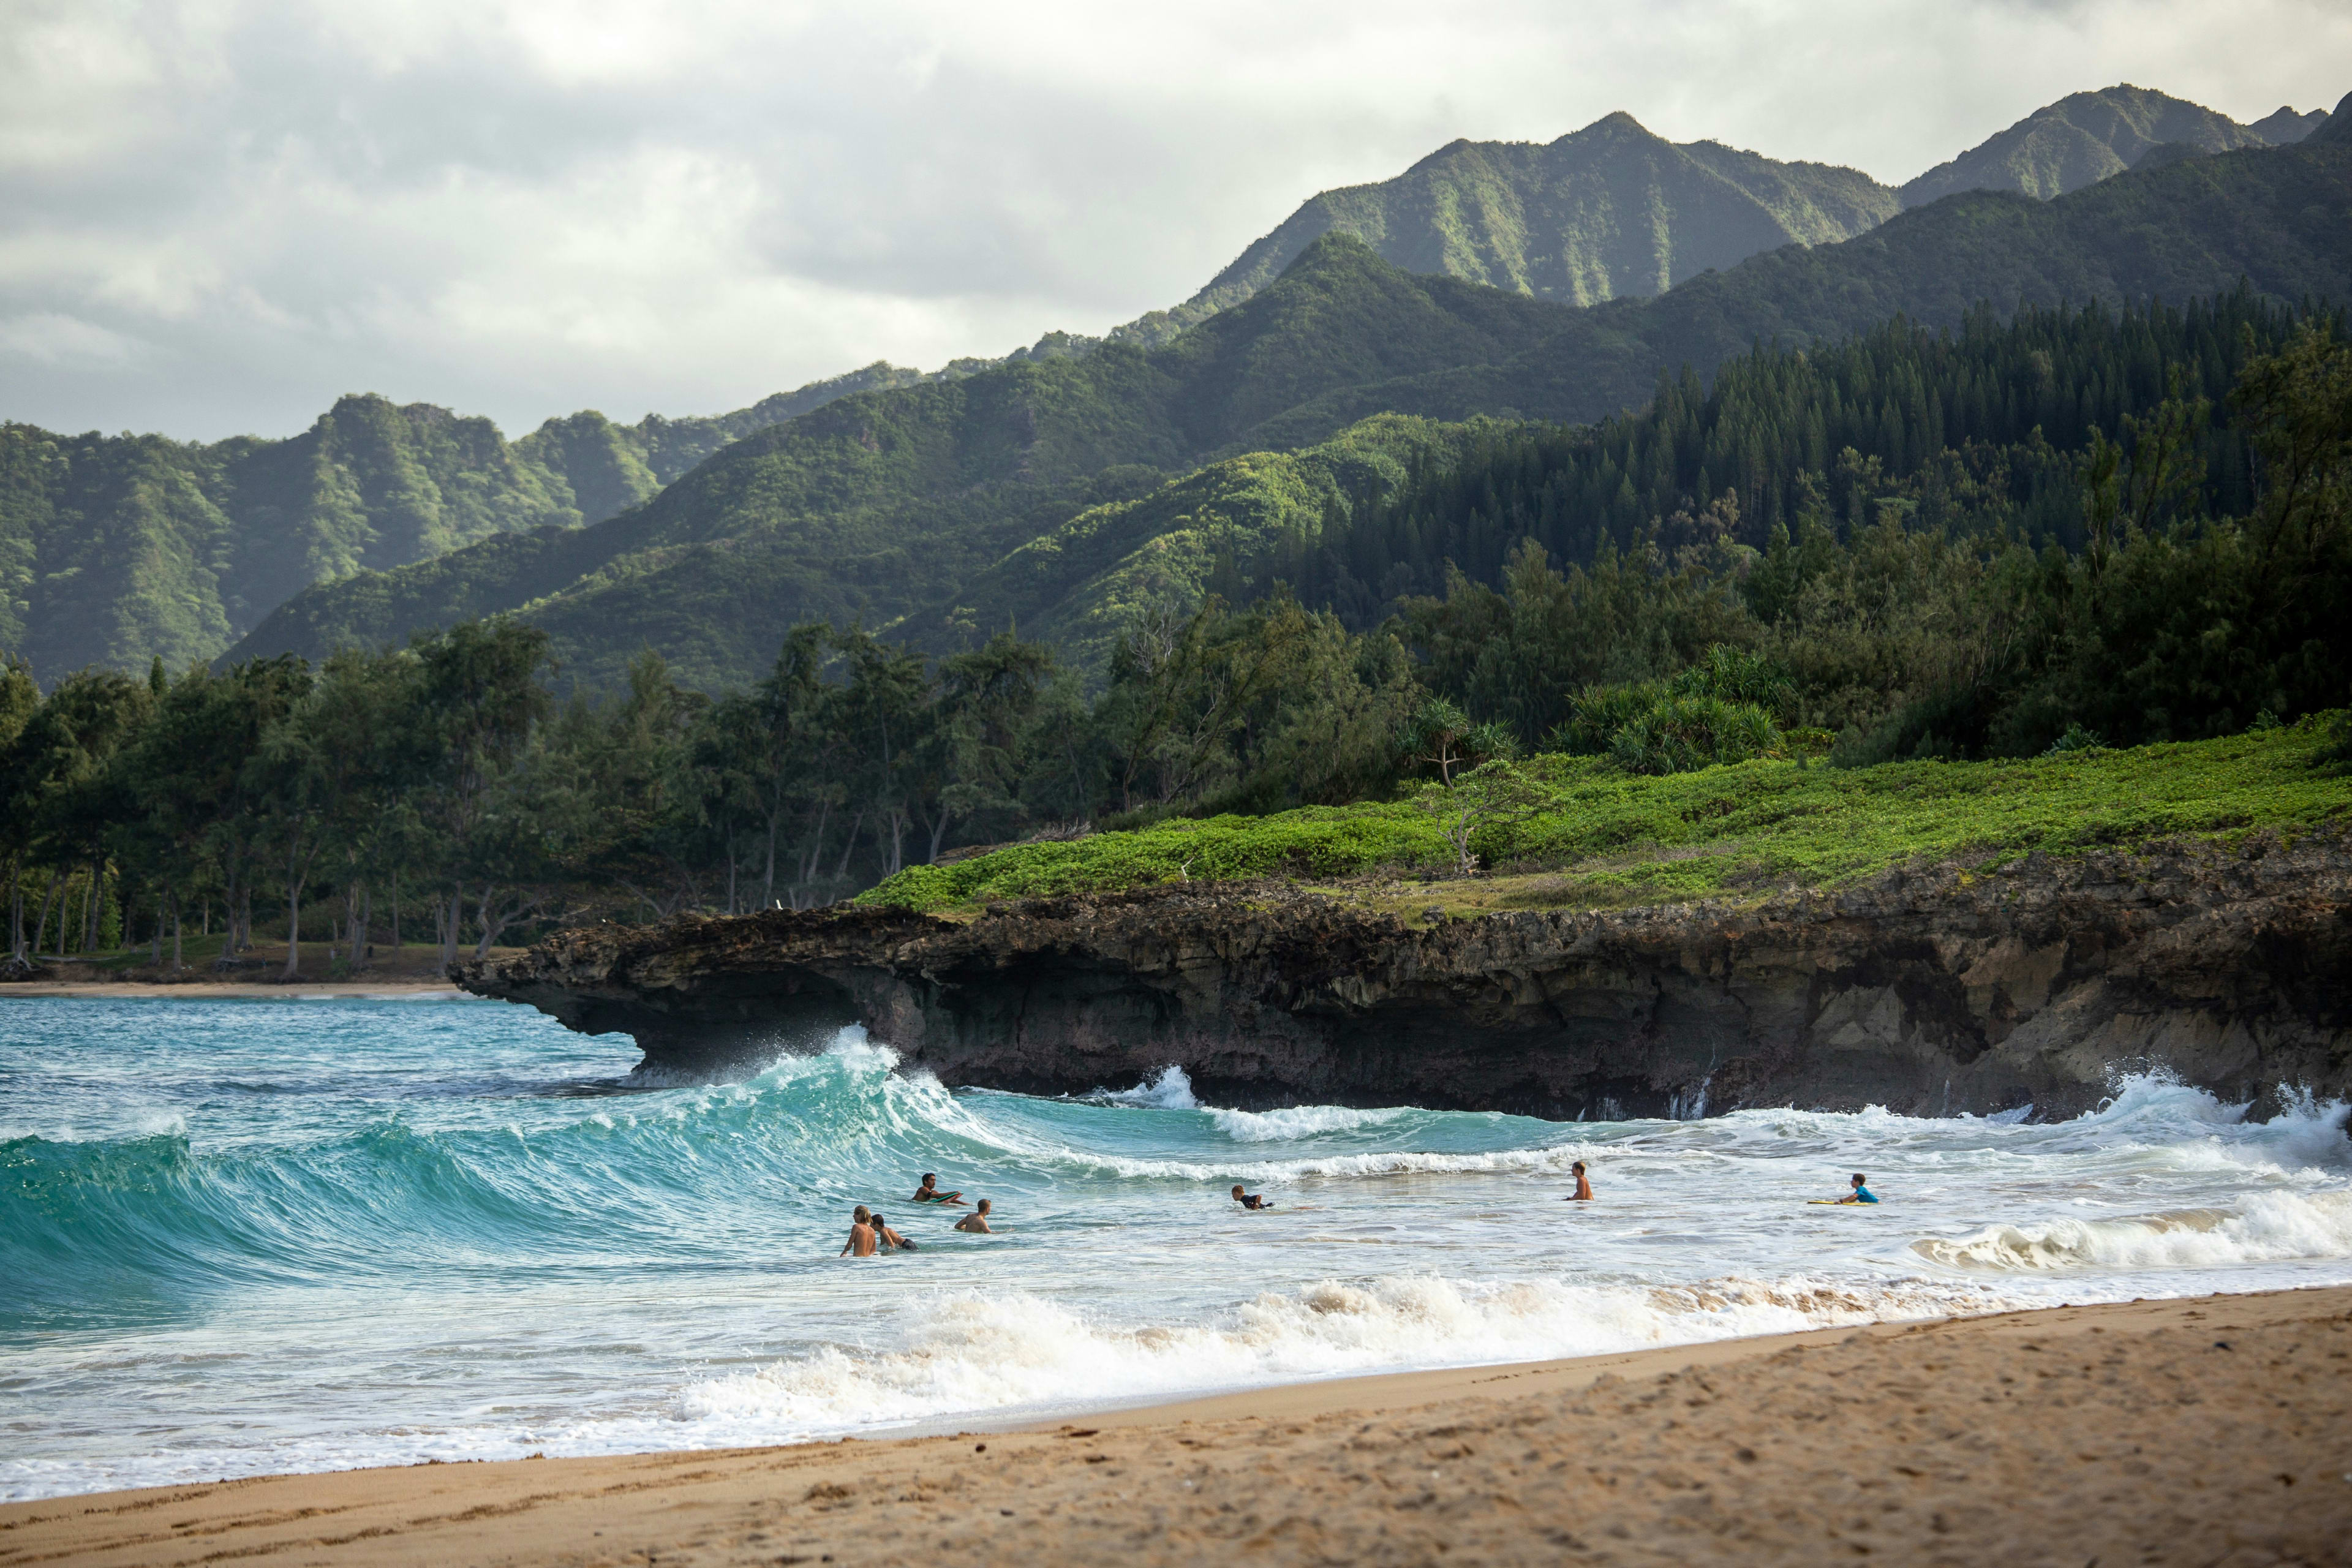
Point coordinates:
pixel 1930 991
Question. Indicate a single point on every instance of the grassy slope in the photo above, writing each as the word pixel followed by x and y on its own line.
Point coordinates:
pixel 1608 838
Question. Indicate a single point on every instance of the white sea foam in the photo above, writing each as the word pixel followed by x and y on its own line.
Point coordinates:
pixel 970 1353
pixel 1301 1122
pixel 2267 1228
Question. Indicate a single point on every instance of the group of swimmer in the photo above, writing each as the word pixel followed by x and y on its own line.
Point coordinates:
pixel 870 1233
pixel 1859 1188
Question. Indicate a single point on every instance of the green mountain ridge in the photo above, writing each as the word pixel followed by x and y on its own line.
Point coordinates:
pixel 2286 125
pixel 881 504
pixel 1603 212
pixel 114 548
pixel 2081 139
pixel 947 510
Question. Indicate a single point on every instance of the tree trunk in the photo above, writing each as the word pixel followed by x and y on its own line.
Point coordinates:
pixel 482 911
pixel 91 906
pixel 175 932
pixel 848 847
pixel 768 883
pixel 730 870
pixel 158 933
pixel 365 948
pixel 41 931
pixel 16 909
pixel 293 923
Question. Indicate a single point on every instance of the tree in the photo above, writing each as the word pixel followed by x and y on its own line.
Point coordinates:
pixel 1492 794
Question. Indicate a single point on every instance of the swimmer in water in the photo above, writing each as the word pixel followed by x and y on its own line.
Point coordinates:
pixel 1583 1187
pixel 1249 1200
pixel 890 1240
pixel 1862 1193
pixel 976 1222
pixel 929 1192
pixel 862 1240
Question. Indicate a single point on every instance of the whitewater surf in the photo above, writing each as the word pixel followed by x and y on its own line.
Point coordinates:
pixel 240 1238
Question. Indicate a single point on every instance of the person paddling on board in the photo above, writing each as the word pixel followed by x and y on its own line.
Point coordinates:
pixel 976 1222
pixel 862 1240
pixel 1862 1193
pixel 929 1192
pixel 1584 1186
pixel 890 1240
pixel 1249 1200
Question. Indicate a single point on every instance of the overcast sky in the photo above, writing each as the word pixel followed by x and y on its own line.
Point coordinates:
pixel 217 215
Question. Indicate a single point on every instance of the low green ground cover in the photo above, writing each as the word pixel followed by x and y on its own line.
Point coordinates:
pixel 1610 837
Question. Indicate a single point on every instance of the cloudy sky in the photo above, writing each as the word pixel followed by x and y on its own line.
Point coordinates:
pixel 217 215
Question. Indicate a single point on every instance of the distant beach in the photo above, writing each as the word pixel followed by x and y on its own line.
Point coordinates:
pixel 224 991
pixel 2199 1430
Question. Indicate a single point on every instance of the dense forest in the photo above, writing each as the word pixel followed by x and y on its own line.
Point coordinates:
pixel 2078 528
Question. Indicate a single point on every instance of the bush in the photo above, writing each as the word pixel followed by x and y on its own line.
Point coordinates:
pixel 1679 734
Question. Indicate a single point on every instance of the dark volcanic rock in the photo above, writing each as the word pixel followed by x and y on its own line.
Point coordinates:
pixel 1923 991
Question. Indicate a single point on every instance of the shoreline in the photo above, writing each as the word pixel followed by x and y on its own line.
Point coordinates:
pixel 227 989
pixel 2170 1430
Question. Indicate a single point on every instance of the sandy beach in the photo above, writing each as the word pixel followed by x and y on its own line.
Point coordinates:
pixel 2211 1430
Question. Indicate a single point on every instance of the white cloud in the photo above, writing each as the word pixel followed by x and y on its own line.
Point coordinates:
pixel 48 338
pixel 522 208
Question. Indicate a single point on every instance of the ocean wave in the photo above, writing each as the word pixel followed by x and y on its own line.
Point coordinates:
pixel 1172 1091
pixel 973 1353
pixel 1303 1121
pixel 2267 1228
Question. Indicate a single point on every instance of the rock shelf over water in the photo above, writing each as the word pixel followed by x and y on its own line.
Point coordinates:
pixel 1929 992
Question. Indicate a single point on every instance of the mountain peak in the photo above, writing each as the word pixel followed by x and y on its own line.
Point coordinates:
pixel 2079 140
pixel 1616 121
pixel 2337 131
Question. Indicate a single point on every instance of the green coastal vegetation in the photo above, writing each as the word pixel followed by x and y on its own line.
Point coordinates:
pixel 1586 833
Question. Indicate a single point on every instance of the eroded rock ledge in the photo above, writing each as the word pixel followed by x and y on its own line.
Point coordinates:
pixel 1924 992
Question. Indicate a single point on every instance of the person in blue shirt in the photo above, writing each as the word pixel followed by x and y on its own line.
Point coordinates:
pixel 1862 1193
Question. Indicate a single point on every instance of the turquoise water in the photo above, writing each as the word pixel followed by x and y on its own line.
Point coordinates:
pixel 248 1237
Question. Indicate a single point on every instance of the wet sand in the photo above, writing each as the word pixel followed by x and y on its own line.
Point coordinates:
pixel 2213 1431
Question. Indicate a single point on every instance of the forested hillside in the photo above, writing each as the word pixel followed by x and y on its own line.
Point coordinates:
pixel 946 509
pixel 115 549
pixel 891 501
pixel 2180 576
